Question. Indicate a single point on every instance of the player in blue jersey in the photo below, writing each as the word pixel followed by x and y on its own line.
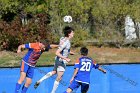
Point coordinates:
pixel 61 58
pixel 29 61
pixel 81 76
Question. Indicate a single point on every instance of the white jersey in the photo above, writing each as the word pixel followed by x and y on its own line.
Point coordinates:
pixel 64 46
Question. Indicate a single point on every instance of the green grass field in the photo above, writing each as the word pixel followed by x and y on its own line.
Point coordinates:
pixel 101 55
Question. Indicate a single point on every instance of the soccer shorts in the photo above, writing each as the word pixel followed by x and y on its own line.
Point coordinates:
pixel 59 65
pixel 75 85
pixel 29 70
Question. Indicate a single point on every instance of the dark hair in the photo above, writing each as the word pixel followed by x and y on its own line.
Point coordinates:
pixel 67 30
pixel 84 51
pixel 45 42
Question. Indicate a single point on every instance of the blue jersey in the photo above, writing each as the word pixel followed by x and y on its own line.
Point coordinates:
pixel 33 54
pixel 84 65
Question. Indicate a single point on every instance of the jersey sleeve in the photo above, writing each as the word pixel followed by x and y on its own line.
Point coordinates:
pixel 32 45
pixel 76 64
pixel 96 66
pixel 27 45
pixel 62 43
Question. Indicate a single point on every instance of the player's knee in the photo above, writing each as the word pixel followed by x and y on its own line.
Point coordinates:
pixel 58 79
pixel 53 72
pixel 69 90
pixel 27 84
pixel 20 80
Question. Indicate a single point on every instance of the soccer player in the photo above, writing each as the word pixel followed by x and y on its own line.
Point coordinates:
pixel 81 75
pixel 29 61
pixel 61 58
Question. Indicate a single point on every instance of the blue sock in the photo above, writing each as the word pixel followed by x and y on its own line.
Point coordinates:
pixel 65 92
pixel 24 89
pixel 17 87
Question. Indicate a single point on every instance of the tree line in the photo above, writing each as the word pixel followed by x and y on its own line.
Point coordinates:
pixel 23 21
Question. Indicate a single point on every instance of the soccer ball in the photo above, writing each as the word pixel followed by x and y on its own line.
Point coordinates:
pixel 67 19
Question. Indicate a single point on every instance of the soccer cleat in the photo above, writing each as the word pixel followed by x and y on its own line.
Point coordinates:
pixel 36 84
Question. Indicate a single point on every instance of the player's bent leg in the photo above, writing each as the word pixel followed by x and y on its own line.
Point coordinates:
pixel 60 72
pixel 21 79
pixel 27 84
pixel 84 88
pixel 49 74
pixel 56 83
pixel 59 75
pixel 17 87
pixel 69 90
pixel 36 84
pixel 24 89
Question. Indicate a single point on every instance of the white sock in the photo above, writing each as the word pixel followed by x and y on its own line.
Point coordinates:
pixel 56 83
pixel 46 76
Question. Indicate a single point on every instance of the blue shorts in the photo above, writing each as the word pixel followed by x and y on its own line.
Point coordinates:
pixel 75 85
pixel 27 69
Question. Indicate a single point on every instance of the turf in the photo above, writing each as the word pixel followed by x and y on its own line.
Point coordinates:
pixel 103 55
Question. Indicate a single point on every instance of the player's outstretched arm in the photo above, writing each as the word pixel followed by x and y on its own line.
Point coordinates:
pixel 74 74
pixel 54 46
pixel 72 53
pixel 104 71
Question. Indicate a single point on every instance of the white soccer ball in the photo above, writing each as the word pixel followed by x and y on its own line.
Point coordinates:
pixel 67 19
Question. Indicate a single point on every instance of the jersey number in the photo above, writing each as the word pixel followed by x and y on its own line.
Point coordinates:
pixel 85 66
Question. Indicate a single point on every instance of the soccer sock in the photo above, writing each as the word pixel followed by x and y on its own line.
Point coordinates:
pixel 24 89
pixel 17 87
pixel 56 83
pixel 46 76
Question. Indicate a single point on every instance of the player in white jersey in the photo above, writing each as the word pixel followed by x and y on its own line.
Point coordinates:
pixel 61 58
pixel 81 76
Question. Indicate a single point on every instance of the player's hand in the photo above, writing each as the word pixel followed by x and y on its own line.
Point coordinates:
pixel 71 80
pixel 67 59
pixel 18 51
pixel 72 53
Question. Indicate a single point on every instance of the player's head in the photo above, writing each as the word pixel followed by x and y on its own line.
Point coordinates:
pixel 45 42
pixel 84 51
pixel 68 31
